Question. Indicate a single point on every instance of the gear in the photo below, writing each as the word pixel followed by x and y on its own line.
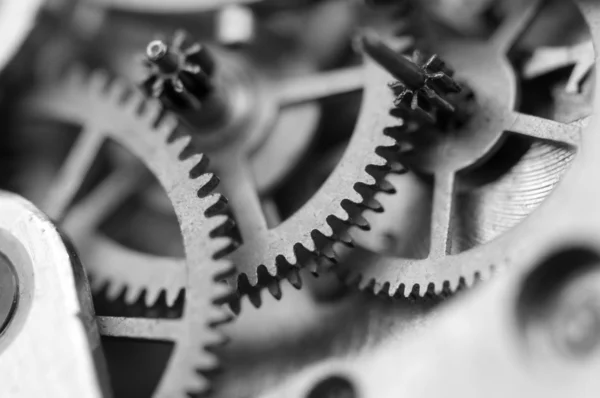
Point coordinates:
pixel 179 75
pixel 268 254
pixel 445 265
pixel 286 241
pixel 423 86
pixel 140 127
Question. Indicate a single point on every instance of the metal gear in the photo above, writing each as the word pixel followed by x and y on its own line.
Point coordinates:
pixel 441 268
pixel 424 83
pixel 140 127
pixel 270 253
pixel 137 277
pixel 180 75
pixel 274 252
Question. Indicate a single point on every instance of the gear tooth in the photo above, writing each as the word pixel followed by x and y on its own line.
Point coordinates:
pixel 131 295
pixel 197 163
pixel 355 197
pixel 399 290
pixel 116 91
pixel 255 298
pixel 379 161
pixel 151 297
pixel 181 143
pixel 222 246
pixel 236 305
pixel 99 82
pixel 388 142
pixel 275 289
pixel 373 205
pixel 216 203
pixel 361 222
pixel 367 285
pixel 208 361
pixel 113 291
pixel 340 215
pixel 386 187
pixel 220 317
pixel 289 256
pixel 293 276
pixel 134 104
pixel 167 126
pixel 205 186
pixel 369 181
pixel 327 230
pixel 345 238
pixel 216 221
pixel 453 284
pixel 152 108
pixel 221 291
pixel 171 297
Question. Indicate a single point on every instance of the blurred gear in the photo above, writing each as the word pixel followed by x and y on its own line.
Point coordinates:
pixel 270 253
pixel 462 159
pixel 141 128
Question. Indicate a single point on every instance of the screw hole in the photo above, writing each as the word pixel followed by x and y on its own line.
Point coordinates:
pixel 333 387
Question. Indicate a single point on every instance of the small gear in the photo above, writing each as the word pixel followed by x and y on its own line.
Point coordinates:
pixel 179 74
pixel 424 83
pixel 442 153
pixel 141 127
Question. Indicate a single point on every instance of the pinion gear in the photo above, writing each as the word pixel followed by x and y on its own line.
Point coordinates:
pixel 179 74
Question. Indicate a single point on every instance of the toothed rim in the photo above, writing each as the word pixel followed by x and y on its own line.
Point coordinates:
pixel 123 115
pixel 409 279
pixel 325 218
pixel 336 207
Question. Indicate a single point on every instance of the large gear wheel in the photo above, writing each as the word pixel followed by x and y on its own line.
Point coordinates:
pixel 485 68
pixel 141 128
pixel 266 253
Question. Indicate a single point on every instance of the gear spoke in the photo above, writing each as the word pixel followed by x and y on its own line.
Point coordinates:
pixel 545 129
pixel 443 196
pixel 102 201
pixel 238 185
pixel 139 328
pixel 302 89
pixel 516 24
pixel 72 174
